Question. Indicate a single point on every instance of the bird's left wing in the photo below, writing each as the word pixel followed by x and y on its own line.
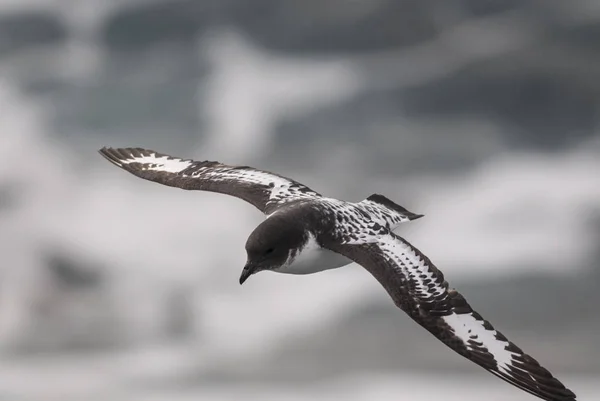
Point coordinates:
pixel 419 289
pixel 265 190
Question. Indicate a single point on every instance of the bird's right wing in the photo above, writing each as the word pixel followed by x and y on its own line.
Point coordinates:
pixel 265 190
pixel 419 289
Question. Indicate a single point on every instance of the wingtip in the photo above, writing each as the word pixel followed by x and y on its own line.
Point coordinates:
pixel 109 154
pixel 105 150
pixel 384 201
pixel 415 216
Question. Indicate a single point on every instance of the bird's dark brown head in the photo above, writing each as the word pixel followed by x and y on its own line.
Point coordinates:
pixel 270 245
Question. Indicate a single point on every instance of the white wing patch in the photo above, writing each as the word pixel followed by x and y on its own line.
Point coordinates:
pixel 469 329
pixel 153 162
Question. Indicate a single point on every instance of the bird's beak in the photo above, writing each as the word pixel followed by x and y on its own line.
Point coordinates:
pixel 249 270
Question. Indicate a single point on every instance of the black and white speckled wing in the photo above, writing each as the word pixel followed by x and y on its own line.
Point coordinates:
pixel 419 289
pixel 265 190
pixel 383 211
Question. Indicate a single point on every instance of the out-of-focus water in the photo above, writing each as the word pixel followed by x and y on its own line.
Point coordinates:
pixel 481 115
pixel 130 378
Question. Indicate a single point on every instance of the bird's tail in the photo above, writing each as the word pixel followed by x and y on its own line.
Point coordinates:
pixel 392 206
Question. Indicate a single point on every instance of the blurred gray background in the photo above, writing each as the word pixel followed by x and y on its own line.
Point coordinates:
pixel 481 114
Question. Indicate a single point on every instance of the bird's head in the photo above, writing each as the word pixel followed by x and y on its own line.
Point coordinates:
pixel 271 245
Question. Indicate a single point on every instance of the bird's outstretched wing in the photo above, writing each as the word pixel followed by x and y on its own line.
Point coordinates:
pixel 265 190
pixel 419 289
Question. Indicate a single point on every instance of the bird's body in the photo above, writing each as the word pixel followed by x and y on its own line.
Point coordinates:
pixel 313 258
pixel 321 218
pixel 305 233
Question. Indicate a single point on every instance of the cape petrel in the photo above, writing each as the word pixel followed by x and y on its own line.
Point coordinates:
pixel 305 232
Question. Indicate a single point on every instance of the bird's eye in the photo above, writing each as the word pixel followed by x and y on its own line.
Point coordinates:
pixel 268 251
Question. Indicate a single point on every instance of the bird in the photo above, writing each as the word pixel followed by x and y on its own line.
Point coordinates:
pixel 305 232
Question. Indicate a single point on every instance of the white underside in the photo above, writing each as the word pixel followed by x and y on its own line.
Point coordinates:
pixel 313 259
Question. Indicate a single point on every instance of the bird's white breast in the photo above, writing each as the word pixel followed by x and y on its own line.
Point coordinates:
pixel 312 259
